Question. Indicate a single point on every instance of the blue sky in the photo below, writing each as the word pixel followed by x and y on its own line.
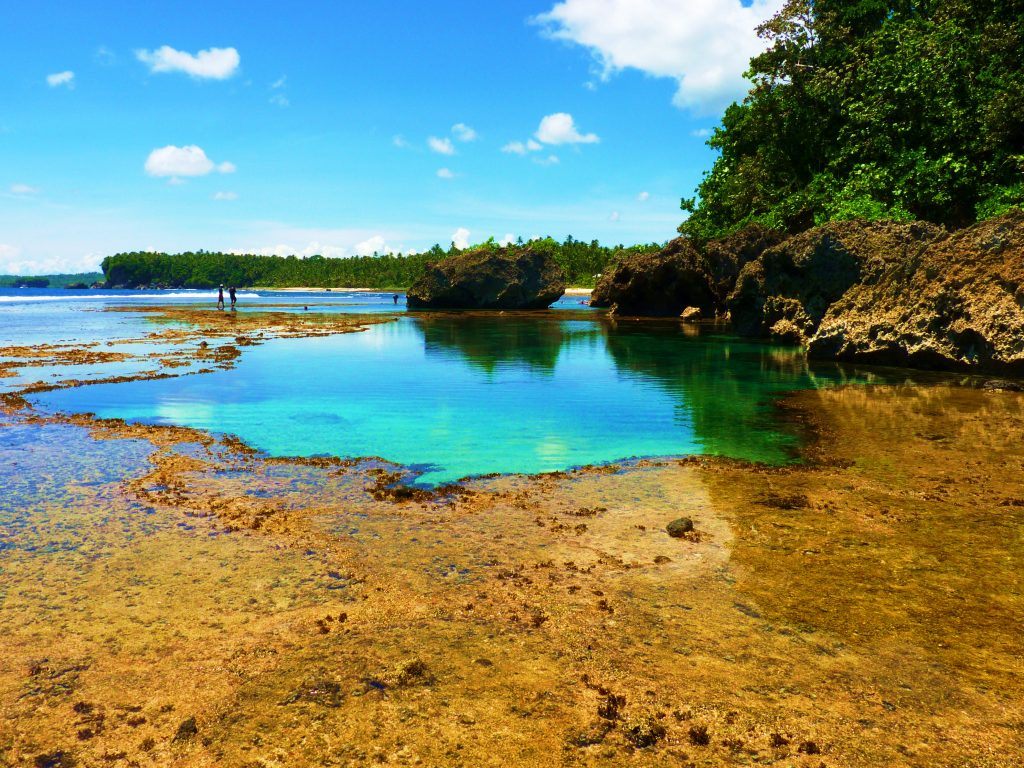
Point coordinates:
pixel 307 128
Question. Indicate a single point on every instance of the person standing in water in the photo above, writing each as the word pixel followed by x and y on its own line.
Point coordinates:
pixel 395 298
pixel 220 297
pixel 231 293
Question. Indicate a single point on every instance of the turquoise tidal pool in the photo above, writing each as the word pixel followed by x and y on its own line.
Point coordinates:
pixel 452 395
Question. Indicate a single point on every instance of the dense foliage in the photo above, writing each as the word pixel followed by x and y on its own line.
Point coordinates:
pixel 581 261
pixel 901 109
pixel 49 281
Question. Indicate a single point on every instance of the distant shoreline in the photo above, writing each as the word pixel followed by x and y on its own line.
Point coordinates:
pixel 305 289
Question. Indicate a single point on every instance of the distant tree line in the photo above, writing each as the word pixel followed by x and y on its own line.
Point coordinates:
pixel 581 261
pixel 49 281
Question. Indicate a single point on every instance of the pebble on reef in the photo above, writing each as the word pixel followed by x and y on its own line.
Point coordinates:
pixel 679 527
pixel 186 730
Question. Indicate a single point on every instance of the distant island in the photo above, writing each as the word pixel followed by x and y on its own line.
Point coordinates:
pixel 79 280
pixel 582 262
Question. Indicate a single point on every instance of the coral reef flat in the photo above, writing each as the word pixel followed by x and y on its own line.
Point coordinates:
pixel 171 597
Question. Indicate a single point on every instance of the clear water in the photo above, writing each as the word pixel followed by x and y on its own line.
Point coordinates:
pixel 457 395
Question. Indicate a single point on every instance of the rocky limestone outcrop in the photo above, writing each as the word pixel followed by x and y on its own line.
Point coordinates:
pixel 680 277
pixel 893 294
pixel 506 278
pixel 660 284
pixel 959 305
pixel 787 290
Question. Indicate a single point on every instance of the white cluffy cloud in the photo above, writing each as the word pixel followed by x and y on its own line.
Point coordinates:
pixel 614 216
pixel 213 63
pixel 24 189
pixel 441 146
pixel 704 45
pixel 519 148
pixel 67 77
pixel 463 132
pixel 560 128
pixel 460 238
pixel 225 195
pixel 445 173
pixel 508 239
pixel 643 197
pixel 175 162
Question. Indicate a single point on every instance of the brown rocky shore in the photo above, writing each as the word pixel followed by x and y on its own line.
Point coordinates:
pixel 181 600
pixel 890 293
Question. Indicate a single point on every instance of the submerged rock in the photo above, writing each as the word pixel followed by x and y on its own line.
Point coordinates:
pixel 506 278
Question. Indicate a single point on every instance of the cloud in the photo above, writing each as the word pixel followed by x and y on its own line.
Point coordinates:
pixel 280 82
pixel 560 128
pixel 460 237
pixel 104 56
pixel 441 146
pixel 445 173
pixel 400 142
pixel 508 239
pixel 643 197
pixel 704 45
pixel 615 216
pixel 549 160
pixel 519 148
pixel 371 245
pixel 213 63
pixel 57 79
pixel 279 100
pixel 463 132
pixel 225 195
pixel 24 189
pixel 175 162
pixel 701 133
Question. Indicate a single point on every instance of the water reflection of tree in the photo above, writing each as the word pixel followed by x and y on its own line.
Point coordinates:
pixel 491 342
pixel 723 386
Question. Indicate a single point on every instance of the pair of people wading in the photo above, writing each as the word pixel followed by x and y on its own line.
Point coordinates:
pixel 220 297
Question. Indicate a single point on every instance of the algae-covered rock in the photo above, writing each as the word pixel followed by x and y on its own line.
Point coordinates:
pixel 505 278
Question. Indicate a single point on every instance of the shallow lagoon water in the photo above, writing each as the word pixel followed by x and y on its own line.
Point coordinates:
pixel 455 395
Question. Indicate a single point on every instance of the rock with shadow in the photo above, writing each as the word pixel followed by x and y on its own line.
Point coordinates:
pixel 489 278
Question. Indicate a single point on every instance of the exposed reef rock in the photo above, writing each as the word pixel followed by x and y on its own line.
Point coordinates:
pixel 788 289
pixel 681 277
pixel 509 278
pixel 959 305
pixel 660 284
pixel 893 294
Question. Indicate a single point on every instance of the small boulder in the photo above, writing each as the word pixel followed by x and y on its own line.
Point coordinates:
pixel 679 527
pixel 489 278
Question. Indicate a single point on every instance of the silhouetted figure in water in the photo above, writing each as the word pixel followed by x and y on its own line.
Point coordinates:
pixel 231 293
pixel 395 298
pixel 220 297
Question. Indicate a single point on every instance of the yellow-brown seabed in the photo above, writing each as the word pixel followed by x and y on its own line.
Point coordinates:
pixel 219 608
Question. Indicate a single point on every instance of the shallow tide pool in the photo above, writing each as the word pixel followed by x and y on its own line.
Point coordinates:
pixel 456 395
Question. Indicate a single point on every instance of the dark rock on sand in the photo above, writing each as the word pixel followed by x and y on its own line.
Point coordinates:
pixel 679 527
pixel 506 278
pixel 644 731
pixel 186 730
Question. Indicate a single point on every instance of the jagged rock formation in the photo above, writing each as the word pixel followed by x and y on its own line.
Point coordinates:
pixel 894 294
pixel 680 276
pixel 507 278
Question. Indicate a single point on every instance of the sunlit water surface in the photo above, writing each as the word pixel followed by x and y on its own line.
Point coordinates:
pixel 456 395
